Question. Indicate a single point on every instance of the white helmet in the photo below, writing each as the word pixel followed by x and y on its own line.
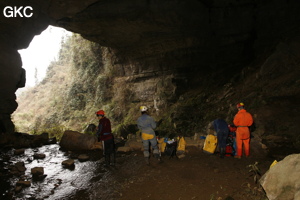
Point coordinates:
pixel 143 108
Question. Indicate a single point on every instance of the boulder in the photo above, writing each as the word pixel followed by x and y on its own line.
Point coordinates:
pixel 20 166
pixel 52 140
pixel 282 180
pixel 83 157
pixel 181 156
pixel 194 141
pixel 24 183
pixel 23 140
pixel 68 163
pixel 39 140
pixel 97 146
pixel 18 188
pixel 134 144
pixel 18 169
pixel 19 151
pixel 36 171
pixel 91 128
pixel 39 156
pixel 124 149
pixel 72 140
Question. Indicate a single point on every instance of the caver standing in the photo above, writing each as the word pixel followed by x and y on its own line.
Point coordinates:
pixel 104 134
pixel 242 121
pixel 147 125
pixel 221 128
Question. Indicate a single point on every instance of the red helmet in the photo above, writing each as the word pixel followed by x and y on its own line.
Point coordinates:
pixel 100 112
pixel 240 105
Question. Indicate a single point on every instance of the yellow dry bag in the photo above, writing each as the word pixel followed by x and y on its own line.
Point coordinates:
pixel 181 144
pixel 210 144
pixel 161 145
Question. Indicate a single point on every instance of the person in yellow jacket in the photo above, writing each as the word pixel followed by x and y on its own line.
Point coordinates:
pixel 147 125
pixel 242 121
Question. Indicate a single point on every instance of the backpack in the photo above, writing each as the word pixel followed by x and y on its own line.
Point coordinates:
pixel 210 144
pixel 232 128
pixel 181 144
pixel 229 150
pixel 170 149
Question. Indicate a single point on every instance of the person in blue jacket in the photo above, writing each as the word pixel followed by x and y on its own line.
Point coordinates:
pixel 147 125
pixel 221 128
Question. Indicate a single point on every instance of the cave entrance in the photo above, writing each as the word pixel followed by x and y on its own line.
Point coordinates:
pixel 43 49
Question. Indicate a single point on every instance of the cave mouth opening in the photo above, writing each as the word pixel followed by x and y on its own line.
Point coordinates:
pixel 42 50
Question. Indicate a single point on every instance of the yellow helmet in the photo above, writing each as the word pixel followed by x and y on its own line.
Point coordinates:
pixel 240 105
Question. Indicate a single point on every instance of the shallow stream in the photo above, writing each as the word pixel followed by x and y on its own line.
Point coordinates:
pixel 60 182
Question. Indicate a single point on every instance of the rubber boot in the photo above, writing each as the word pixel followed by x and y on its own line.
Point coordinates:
pixel 222 152
pixel 147 160
pixel 107 160
pixel 113 159
pixel 157 156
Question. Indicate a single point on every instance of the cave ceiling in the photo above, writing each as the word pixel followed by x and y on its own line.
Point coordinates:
pixel 187 34
pixel 143 28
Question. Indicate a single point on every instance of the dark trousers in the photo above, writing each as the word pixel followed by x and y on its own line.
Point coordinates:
pixel 222 137
pixel 109 151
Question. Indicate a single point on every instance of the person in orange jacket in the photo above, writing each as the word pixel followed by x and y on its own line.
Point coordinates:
pixel 242 121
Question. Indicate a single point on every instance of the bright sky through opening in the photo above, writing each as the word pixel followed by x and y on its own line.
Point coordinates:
pixel 43 49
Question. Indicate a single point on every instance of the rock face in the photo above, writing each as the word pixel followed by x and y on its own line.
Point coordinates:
pixel 177 41
pixel 282 180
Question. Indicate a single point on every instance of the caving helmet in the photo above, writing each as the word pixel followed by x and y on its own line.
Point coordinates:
pixel 240 105
pixel 100 113
pixel 143 108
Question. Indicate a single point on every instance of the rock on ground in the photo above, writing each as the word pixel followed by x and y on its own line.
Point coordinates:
pixel 282 180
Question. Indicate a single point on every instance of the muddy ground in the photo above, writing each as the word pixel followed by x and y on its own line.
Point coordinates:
pixel 196 176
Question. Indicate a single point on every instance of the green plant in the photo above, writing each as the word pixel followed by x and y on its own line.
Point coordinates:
pixel 254 171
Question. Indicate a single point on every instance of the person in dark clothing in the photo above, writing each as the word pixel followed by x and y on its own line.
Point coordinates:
pixel 104 134
pixel 221 128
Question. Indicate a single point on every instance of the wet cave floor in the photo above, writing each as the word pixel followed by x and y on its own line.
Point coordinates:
pixel 195 176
